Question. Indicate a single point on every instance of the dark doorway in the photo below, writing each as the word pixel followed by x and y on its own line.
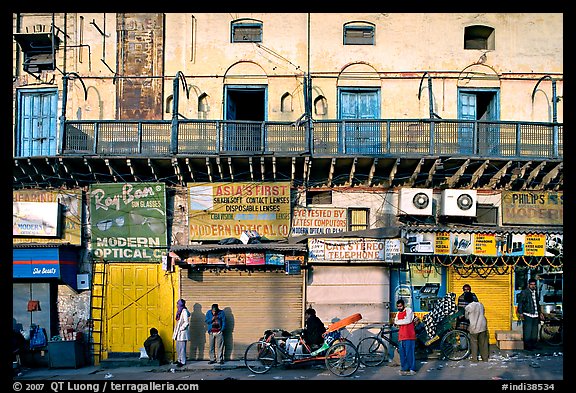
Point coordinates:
pixel 246 107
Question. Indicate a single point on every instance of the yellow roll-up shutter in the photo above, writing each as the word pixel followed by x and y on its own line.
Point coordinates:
pixel 494 292
pixel 253 302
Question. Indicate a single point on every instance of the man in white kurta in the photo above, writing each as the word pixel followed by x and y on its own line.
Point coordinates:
pixel 478 328
pixel 181 333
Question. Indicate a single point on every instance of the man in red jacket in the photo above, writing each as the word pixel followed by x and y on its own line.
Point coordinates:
pixel 406 338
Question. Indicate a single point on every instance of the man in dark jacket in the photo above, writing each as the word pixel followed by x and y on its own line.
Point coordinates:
pixel 313 328
pixel 529 313
pixel 155 347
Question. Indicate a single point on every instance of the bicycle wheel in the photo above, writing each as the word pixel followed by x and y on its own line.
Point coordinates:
pixel 259 357
pixel 551 334
pixel 342 359
pixel 372 351
pixel 455 345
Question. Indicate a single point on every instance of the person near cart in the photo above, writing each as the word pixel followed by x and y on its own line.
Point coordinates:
pixel 530 315
pixel 313 329
pixel 406 338
pixel 462 322
pixel 478 329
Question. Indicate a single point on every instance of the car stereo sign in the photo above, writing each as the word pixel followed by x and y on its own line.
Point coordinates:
pixel 354 250
pixel 128 221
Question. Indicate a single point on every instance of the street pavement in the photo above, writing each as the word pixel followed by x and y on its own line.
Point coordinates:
pixel 506 369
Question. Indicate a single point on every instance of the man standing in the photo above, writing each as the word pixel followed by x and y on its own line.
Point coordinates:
pixel 478 329
pixel 216 321
pixel 529 312
pixel 181 333
pixel 406 338
pixel 462 321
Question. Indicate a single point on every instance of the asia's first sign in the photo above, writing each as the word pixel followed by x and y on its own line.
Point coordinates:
pixel 225 210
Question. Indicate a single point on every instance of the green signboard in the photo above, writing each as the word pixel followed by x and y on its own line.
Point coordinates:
pixel 128 221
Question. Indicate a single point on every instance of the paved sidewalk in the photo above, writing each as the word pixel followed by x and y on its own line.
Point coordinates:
pixel 547 362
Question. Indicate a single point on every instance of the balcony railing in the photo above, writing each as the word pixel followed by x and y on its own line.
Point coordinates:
pixel 324 138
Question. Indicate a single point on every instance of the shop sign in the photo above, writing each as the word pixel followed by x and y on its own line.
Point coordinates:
pixel 532 207
pixel 225 210
pixel 354 250
pixel 293 264
pixel 70 215
pixel 318 221
pixel 35 219
pixel 128 221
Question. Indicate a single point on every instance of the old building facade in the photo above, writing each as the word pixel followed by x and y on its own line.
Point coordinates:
pixel 375 155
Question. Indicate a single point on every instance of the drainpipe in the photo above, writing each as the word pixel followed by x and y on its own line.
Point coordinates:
pixel 175 102
pixel 308 97
pixel 175 98
pixel 554 111
pixel 65 78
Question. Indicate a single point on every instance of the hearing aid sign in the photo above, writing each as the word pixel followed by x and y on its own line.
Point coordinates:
pixel 128 221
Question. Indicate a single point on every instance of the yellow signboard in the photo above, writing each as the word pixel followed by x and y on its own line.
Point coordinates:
pixel 225 210
pixel 535 245
pixel 485 244
pixel 442 243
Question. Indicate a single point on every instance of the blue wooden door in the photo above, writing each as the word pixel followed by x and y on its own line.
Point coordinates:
pixel 357 136
pixel 466 131
pixel 37 123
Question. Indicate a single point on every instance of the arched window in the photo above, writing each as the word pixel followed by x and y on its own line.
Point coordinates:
pixel 320 106
pixel 479 37
pixel 246 30
pixel 359 33
pixel 203 106
pixel 286 103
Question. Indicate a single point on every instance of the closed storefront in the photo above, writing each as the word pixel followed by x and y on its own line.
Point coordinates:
pixel 494 291
pixel 253 301
pixel 138 297
pixel 336 292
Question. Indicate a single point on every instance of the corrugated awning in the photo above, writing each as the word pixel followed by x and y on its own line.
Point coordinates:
pixel 484 229
pixel 375 233
pixel 255 247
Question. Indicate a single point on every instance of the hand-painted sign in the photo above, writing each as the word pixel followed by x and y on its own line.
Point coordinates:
pixel 318 221
pixel 33 219
pixel 354 250
pixel 222 210
pixel 532 207
pixel 128 221
pixel 70 202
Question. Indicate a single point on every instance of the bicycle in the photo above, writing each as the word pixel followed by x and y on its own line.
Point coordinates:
pixel 279 347
pixel 454 344
pixel 552 330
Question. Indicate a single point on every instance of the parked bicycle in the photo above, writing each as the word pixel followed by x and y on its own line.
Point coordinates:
pixel 453 344
pixel 552 329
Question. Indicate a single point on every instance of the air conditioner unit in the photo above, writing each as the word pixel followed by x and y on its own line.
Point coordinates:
pixel 415 201
pixel 461 203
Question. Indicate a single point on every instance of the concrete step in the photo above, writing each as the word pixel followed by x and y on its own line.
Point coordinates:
pixel 128 362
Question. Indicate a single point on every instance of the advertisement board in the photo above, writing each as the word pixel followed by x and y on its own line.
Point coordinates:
pixel 35 219
pixel 70 214
pixel 532 207
pixel 354 250
pixel 225 210
pixel 318 221
pixel 128 221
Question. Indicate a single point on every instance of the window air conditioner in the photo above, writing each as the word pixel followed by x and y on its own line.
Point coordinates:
pixel 415 201
pixel 461 203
